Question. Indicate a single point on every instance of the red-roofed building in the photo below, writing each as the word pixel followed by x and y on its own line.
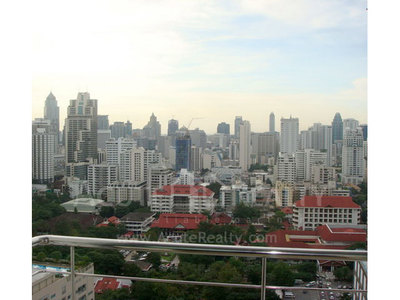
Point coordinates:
pixel 324 237
pixel 220 218
pixel 113 220
pixel 313 211
pixel 106 284
pixel 182 199
pixel 176 224
pixel 113 284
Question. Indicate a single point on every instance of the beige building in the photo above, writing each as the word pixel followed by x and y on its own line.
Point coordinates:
pixel 49 286
pixel 284 194
pixel 121 191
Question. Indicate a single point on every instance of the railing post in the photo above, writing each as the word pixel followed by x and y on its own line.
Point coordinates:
pixel 72 265
pixel 263 277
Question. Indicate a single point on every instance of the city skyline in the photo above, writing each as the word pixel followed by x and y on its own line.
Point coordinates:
pixel 205 60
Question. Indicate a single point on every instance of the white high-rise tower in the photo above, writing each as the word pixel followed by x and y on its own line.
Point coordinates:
pixel 272 122
pixel 289 135
pixel 244 145
pixel 353 156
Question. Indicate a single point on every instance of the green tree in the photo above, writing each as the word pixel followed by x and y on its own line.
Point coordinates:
pixel 107 211
pixel 215 187
pixel 119 294
pixel 343 274
pixel 244 211
pixel 155 259
pixel 56 255
pixel 41 256
pixel 131 269
pixel 281 275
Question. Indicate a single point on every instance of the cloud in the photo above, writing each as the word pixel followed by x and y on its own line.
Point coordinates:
pixel 310 14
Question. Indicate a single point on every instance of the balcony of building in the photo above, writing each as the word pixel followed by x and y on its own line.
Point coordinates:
pixel 264 253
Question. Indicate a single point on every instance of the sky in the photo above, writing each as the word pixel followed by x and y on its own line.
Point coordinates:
pixel 211 60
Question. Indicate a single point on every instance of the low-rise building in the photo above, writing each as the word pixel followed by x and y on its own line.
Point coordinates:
pixel 313 211
pixel 121 191
pixel 138 222
pixel 182 199
pixel 177 224
pixel 83 205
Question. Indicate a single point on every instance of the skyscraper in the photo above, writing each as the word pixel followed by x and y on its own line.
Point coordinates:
pixel 153 128
pixel 223 128
pixel 102 122
pixel 271 122
pixel 173 126
pixel 350 123
pixel 289 135
pixel 81 129
pixel 244 145
pixel 238 121
pixel 182 152
pixel 337 128
pixel 43 140
pixel 364 128
pixel 353 156
pixel 52 113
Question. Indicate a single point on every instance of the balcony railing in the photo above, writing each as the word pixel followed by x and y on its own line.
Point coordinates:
pixel 201 249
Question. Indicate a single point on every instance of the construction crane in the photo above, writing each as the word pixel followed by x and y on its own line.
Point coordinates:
pixel 190 123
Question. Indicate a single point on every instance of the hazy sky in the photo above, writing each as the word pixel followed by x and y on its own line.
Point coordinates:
pixel 209 59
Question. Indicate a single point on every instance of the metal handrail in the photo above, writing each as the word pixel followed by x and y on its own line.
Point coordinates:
pixel 202 249
pixel 199 249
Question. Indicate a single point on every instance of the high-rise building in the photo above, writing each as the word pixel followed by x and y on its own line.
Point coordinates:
pixel 321 174
pixel 337 128
pixel 115 147
pixel 284 194
pixel 232 195
pixel 183 145
pixel 238 121
pixel 271 122
pixel 364 128
pixel 223 128
pixel 153 128
pixel 351 124
pixel 173 126
pixel 99 177
pixel 268 146
pixel 135 162
pixel 81 129
pixel 353 156
pixel 234 150
pixel 286 167
pixel 195 158
pixel 52 113
pixel 43 141
pixel 305 160
pixel 102 137
pixel 121 191
pixel 102 122
pixel 117 130
pixel 128 129
pixel 158 175
pixel 198 138
pixel 289 135
pixel 121 129
pixel 132 165
pixel 244 145
pixel 186 177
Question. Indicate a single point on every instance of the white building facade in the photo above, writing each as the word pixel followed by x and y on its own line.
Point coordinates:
pixel 313 211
